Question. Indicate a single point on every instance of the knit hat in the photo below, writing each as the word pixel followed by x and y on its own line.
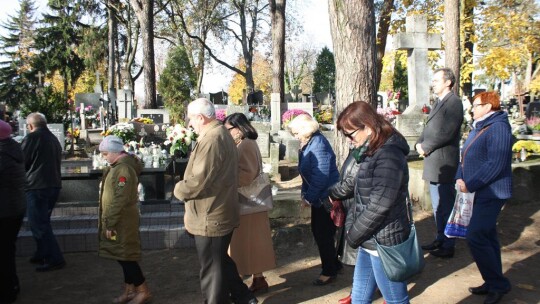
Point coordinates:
pixel 111 143
pixel 5 130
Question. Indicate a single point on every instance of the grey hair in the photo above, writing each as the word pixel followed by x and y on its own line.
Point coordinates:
pixel 37 119
pixel 304 125
pixel 202 106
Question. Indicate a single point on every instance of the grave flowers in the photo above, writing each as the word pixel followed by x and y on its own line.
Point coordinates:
pixel 180 139
pixel 290 115
pixel 125 131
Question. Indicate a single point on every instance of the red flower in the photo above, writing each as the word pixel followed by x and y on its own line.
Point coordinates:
pixel 122 179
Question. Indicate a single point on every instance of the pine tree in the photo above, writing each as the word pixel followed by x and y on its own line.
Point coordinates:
pixel 324 76
pixel 17 50
pixel 58 40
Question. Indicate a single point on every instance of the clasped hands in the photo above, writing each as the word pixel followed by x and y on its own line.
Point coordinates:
pixel 110 234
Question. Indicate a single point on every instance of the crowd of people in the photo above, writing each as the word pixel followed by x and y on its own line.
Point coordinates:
pixel 372 186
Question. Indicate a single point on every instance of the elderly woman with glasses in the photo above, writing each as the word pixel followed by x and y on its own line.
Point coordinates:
pixel 251 246
pixel 486 170
pixel 380 191
pixel 317 166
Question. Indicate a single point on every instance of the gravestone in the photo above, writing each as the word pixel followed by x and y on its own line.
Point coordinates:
pixel 89 99
pixel 275 112
pixel 219 98
pixel 417 41
pixel 157 115
pixel 58 131
pixel 124 104
pixel 255 98
pixel 231 109
pixel 151 133
pixel 304 106
pixel 323 98
pixel 263 141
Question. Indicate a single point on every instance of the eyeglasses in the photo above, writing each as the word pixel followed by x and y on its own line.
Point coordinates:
pixel 350 135
pixel 230 128
pixel 477 105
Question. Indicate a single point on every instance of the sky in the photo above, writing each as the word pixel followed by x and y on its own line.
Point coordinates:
pixel 313 15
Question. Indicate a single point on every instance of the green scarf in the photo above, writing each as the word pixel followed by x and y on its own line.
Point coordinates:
pixel 359 152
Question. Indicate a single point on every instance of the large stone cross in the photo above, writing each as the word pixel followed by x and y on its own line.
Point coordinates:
pixel 417 41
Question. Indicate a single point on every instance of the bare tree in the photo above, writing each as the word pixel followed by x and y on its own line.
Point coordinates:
pixel 277 13
pixel 352 24
pixel 452 57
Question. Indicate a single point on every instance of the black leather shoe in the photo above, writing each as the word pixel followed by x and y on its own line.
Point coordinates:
pixel 50 267
pixel 480 290
pixel 493 297
pixel 253 301
pixel 319 282
pixel 444 253
pixel 432 246
pixel 37 261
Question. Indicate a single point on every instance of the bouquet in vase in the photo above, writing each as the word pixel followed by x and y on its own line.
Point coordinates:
pixel 180 139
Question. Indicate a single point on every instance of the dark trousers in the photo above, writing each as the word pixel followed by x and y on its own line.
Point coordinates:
pixel 9 282
pixel 132 272
pixel 484 243
pixel 324 231
pixel 443 197
pixel 219 276
pixel 40 205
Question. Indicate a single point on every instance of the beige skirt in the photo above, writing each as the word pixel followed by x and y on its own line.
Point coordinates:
pixel 251 245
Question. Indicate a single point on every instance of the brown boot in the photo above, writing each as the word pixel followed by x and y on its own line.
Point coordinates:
pixel 142 294
pixel 129 293
pixel 259 284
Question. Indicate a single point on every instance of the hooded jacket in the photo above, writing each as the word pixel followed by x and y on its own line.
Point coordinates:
pixel 380 194
pixel 118 210
pixel 12 179
pixel 486 166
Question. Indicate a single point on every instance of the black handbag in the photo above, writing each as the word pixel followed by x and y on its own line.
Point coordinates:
pixel 402 261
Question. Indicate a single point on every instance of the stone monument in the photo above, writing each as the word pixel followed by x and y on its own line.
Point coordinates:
pixel 417 41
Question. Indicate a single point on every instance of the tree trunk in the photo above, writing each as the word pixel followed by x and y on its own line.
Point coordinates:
pixel 382 35
pixel 145 15
pixel 352 24
pixel 277 9
pixel 467 32
pixel 112 38
pixel 451 37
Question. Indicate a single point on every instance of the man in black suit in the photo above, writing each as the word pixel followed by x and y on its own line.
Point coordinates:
pixel 439 145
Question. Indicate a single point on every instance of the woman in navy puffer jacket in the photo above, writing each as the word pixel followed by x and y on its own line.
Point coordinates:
pixel 317 166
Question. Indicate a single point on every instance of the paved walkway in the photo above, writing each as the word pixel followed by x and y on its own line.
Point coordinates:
pixel 173 274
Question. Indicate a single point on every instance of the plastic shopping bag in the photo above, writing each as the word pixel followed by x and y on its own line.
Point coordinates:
pixel 461 215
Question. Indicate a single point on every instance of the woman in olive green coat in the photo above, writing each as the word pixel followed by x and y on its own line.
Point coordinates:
pixel 118 226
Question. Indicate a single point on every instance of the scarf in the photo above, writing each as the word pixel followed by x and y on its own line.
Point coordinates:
pixel 358 153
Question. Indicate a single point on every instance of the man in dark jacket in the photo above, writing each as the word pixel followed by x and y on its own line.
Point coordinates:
pixel 43 155
pixel 439 144
pixel 12 208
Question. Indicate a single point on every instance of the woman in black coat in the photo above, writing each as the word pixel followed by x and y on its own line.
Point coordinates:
pixel 380 191
pixel 12 209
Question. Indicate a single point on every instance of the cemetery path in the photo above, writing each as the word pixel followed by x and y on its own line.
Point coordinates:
pixel 173 274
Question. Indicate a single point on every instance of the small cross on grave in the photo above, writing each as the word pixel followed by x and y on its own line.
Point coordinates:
pixel 417 41
pixel 296 90
pixel 39 76
pixel 520 94
pixel 97 86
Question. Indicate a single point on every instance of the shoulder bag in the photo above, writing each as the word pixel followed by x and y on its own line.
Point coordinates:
pixel 257 196
pixel 403 261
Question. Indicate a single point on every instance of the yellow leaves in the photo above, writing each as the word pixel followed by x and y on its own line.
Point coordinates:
pixel 262 77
